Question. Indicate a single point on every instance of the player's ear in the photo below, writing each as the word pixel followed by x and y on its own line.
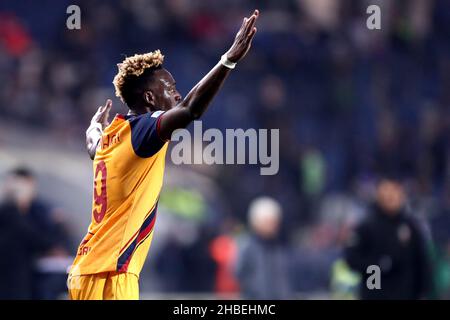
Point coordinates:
pixel 149 98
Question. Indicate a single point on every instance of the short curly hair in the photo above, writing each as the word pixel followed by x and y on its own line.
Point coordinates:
pixel 132 71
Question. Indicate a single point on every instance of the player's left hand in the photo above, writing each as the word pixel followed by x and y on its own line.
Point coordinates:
pixel 243 39
pixel 102 115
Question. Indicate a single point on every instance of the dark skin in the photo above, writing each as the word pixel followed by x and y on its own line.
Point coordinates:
pixel 161 94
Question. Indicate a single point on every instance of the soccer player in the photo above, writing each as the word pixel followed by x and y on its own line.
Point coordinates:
pixel 129 160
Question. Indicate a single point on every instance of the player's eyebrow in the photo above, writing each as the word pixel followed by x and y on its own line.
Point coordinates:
pixel 166 83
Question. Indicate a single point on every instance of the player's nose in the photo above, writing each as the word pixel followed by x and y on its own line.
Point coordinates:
pixel 178 97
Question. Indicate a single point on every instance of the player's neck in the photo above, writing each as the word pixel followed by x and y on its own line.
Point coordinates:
pixel 137 111
pixel 132 113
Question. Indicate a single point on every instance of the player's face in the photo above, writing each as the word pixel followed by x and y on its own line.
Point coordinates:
pixel 167 95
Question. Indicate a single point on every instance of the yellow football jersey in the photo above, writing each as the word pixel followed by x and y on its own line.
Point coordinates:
pixel 128 176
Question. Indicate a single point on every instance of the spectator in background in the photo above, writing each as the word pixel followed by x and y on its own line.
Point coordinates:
pixel 184 263
pixel 29 231
pixel 262 265
pixel 392 240
pixel 20 240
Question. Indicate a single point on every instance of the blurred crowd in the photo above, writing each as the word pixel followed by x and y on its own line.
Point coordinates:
pixel 35 244
pixel 355 107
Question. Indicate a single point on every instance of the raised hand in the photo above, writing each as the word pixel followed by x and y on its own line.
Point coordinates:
pixel 198 99
pixel 99 122
pixel 243 39
pixel 102 114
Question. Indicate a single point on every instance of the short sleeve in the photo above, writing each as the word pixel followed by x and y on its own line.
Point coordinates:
pixel 144 134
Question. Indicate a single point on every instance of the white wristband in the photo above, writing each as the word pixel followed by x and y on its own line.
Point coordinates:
pixel 227 63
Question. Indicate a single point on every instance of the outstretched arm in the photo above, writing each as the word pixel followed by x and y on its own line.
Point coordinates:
pixel 98 123
pixel 200 96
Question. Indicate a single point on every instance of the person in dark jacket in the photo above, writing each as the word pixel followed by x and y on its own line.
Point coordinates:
pixel 392 240
pixel 27 232
pixel 262 266
pixel 20 241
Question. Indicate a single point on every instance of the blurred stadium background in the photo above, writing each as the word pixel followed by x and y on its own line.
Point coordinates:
pixel 351 104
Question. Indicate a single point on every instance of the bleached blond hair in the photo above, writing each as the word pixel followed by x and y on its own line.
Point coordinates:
pixel 133 67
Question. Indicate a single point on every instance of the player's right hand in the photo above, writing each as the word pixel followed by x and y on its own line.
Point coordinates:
pixel 243 39
pixel 102 115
